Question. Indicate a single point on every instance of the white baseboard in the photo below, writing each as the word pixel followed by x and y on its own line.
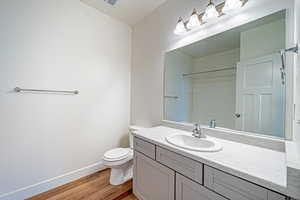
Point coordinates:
pixel 46 185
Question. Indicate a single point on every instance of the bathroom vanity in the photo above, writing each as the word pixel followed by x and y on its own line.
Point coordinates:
pixel 163 171
pixel 237 84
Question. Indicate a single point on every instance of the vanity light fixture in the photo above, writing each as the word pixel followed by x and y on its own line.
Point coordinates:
pixel 194 20
pixel 180 27
pixel 232 5
pixel 212 11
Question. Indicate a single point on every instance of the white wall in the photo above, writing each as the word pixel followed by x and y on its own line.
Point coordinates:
pixel 59 44
pixel 263 40
pixel 214 93
pixel 154 35
pixel 150 38
pixel 177 64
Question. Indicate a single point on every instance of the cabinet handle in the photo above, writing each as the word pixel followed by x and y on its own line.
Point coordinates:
pixel 237 115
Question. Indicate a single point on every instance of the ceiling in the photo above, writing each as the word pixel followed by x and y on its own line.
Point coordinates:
pixel 127 11
pixel 227 40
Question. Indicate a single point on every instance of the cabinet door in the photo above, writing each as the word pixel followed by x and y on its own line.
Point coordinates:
pixel 187 189
pixel 151 180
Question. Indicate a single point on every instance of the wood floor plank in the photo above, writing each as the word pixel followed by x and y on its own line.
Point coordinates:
pixel 111 192
pixel 92 187
pixel 130 197
pixel 56 191
pixel 124 195
pixel 83 191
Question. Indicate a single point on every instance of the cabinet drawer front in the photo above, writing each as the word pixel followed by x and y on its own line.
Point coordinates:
pixel 232 187
pixel 181 164
pixel 275 196
pixel 144 147
pixel 187 189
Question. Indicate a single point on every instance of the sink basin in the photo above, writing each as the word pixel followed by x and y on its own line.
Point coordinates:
pixel 195 144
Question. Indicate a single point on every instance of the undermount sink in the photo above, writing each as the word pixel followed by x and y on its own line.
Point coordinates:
pixel 195 144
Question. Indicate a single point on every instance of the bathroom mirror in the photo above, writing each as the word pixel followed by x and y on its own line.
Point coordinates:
pixel 235 78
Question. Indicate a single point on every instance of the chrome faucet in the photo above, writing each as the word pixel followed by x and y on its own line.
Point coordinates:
pixel 197 133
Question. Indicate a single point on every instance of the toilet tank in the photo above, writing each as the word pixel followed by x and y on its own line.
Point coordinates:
pixel 131 130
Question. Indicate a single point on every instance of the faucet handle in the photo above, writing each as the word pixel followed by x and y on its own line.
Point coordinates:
pixel 196 126
pixel 197 131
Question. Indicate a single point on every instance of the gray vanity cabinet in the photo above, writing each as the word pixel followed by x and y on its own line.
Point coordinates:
pixel 187 189
pixel 151 180
pixel 155 169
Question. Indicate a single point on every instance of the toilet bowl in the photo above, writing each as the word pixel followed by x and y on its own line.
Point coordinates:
pixel 120 160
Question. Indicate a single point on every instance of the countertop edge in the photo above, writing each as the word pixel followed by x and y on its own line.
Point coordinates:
pixel 293 169
pixel 292 155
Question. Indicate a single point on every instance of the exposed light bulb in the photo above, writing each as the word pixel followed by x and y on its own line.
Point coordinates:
pixel 210 12
pixel 232 5
pixel 194 20
pixel 180 27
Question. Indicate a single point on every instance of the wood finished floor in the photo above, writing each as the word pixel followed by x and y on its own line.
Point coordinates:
pixel 92 187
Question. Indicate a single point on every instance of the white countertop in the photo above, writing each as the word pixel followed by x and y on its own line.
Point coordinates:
pixel 258 165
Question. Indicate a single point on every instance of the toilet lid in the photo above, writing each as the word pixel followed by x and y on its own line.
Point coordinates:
pixel 116 154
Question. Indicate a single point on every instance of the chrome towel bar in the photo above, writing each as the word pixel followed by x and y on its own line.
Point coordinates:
pixel 171 97
pixel 18 89
pixel 215 70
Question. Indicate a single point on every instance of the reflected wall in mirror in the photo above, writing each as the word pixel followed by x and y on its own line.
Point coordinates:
pixel 234 78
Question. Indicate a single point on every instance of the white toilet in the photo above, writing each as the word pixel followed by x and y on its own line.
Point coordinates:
pixel 120 160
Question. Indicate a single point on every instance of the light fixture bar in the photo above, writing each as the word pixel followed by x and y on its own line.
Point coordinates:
pixel 219 8
pixel 194 20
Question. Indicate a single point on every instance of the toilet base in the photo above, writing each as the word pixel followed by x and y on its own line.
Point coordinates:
pixel 121 174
